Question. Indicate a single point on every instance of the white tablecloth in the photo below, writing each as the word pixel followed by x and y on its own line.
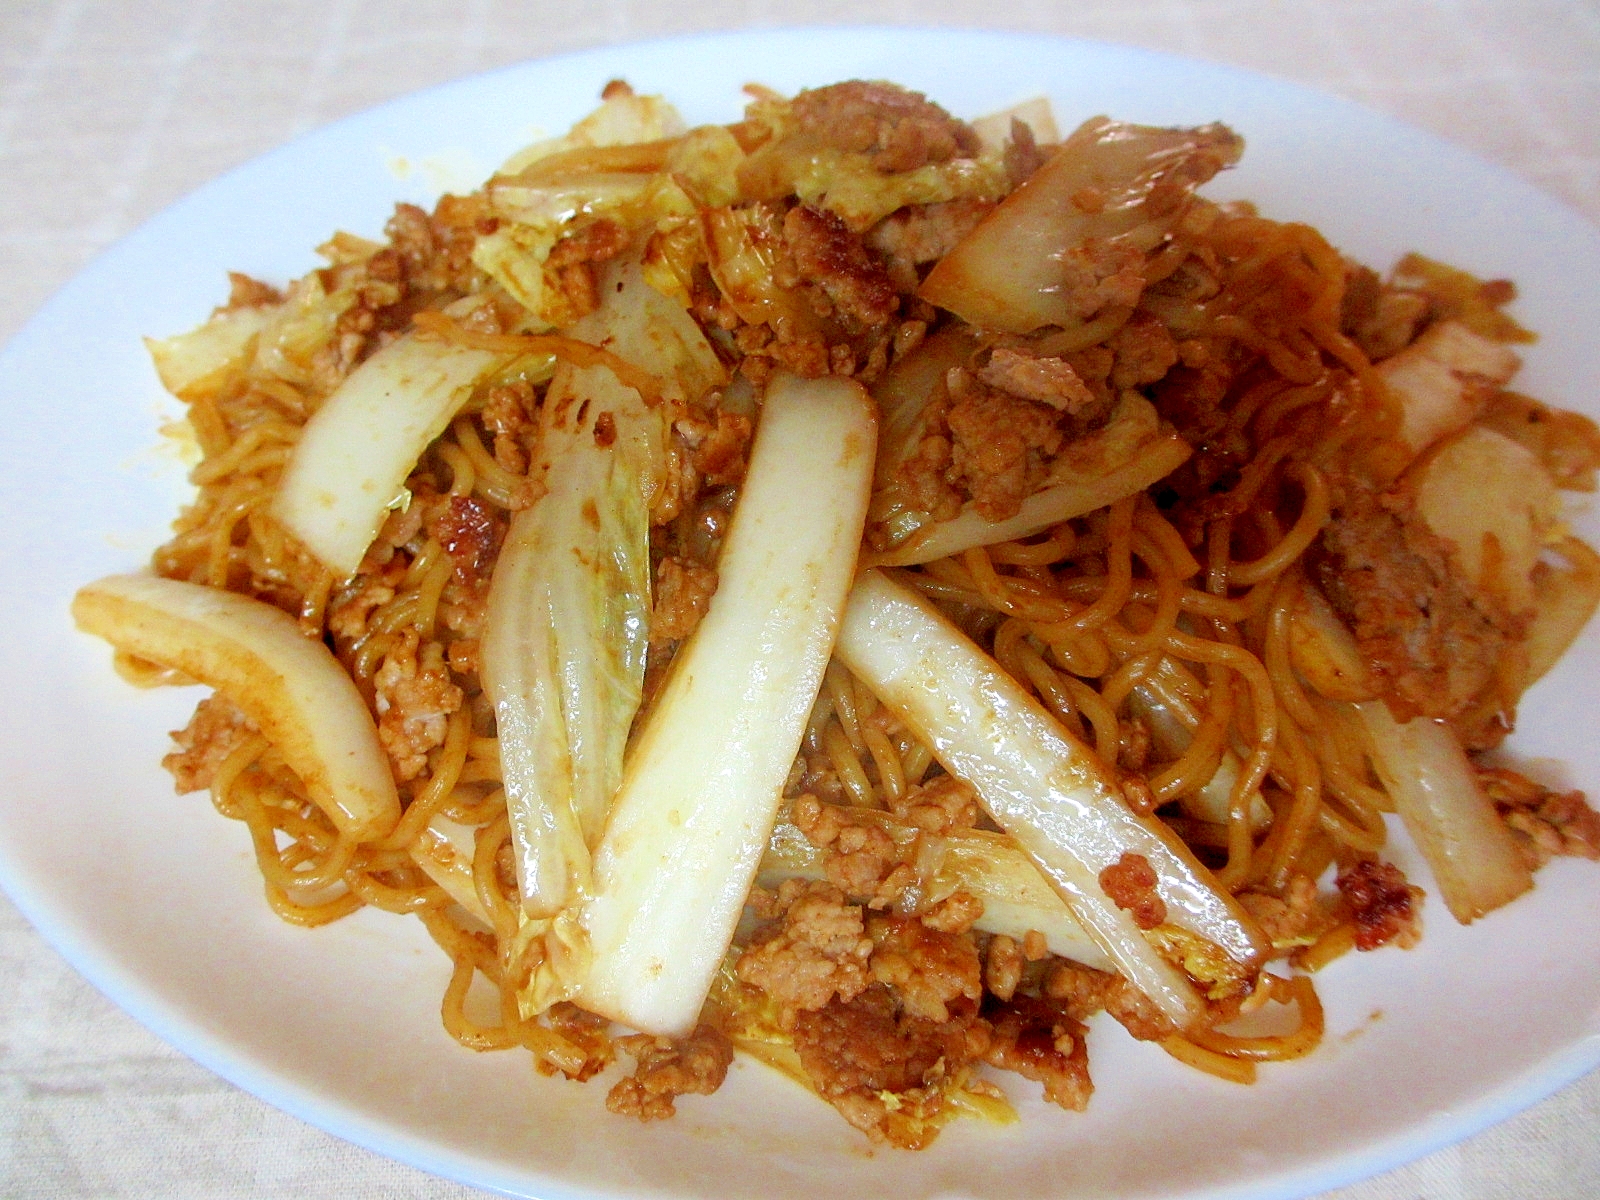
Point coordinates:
pixel 109 111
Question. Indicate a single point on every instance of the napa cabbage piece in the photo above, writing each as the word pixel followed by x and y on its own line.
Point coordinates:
pixel 1107 197
pixel 988 866
pixel 564 654
pixel 1490 498
pixel 444 850
pixel 1325 653
pixel 794 161
pixel 1129 453
pixel 1472 855
pixel 193 363
pixel 744 247
pixel 353 457
pixel 622 118
pixel 1566 587
pixel 703 780
pixel 1052 795
pixel 536 216
pixel 568 611
pixel 300 327
pixel 616 164
pixel 994 129
pixel 290 685
pixel 1442 381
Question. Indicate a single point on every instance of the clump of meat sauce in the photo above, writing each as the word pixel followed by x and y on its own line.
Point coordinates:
pixel 894 1004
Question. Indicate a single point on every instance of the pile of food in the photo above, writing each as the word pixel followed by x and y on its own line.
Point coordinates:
pixel 868 590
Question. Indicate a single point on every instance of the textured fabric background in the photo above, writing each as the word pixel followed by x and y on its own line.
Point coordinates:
pixel 111 110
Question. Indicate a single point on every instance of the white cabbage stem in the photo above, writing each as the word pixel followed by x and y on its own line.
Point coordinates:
pixel 1131 452
pixel 1041 786
pixel 569 607
pixel 1472 855
pixel 989 867
pixel 351 462
pixel 290 685
pixel 1016 270
pixel 704 779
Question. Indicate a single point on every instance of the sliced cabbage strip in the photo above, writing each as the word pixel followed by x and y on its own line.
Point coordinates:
pixel 444 850
pixel 292 687
pixel 1472 855
pixel 1047 791
pixel 564 652
pixel 704 778
pixel 352 460
pixel 569 606
pixel 989 867
pixel 1105 198
pixel 190 363
pixel 1129 453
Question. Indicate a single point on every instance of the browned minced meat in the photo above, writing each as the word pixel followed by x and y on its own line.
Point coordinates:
pixel 414 699
pixel 829 255
pixel 587 1031
pixel 426 256
pixel 931 970
pixel 862 860
pixel 813 949
pixel 1038 377
pixel 918 234
pixel 683 591
pixel 1285 919
pixel 352 606
pixel 942 804
pixel 899 130
pixel 215 731
pixel 853 1051
pixel 923 478
pixel 1099 274
pixel 470 532
pixel 1545 823
pixel 436 249
pixel 1130 883
pixel 1134 743
pixel 1433 638
pixel 668 1068
pixel 1383 905
pixel 718 442
pixel 508 415
pixel 1144 351
pixel 1085 991
pixel 1022 154
pixel 571 259
pixel 1038 1040
pixel 999 444
pixel 1003 963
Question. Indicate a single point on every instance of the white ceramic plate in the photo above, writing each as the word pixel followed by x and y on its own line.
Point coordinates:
pixel 155 899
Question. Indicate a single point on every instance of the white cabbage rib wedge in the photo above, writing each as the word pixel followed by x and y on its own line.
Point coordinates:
pixel 989 867
pixel 702 786
pixel 291 686
pixel 1046 790
pixel 569 607
pixel 1427 774
pixel 352 460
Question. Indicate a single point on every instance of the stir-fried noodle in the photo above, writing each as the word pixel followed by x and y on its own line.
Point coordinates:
pixel 1229 644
